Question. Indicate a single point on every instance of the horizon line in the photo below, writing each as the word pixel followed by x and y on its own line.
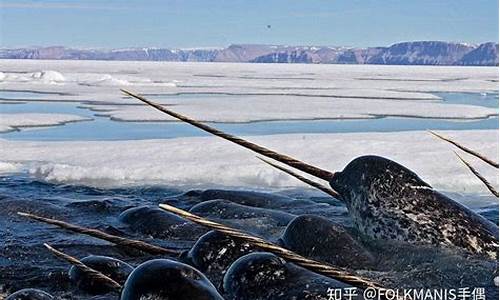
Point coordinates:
pixel 241 44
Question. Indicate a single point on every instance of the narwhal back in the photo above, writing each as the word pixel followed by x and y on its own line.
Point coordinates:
pixel 388 201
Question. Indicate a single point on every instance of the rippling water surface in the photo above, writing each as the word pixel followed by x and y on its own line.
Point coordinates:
pixel 25 263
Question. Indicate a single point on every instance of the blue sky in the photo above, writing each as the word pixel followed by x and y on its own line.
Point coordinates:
pixel 198 23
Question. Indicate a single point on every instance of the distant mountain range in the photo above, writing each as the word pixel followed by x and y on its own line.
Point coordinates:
pixel 406 53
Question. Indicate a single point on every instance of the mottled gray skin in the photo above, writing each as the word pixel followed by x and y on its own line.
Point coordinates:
pixel 111 267
pixel 224 209
pixel 158 223
pixel 266 223
pixel 214 252
pixel 30 294
pixel 265 276
pixel 321 239
pixel 255 199
pixel 388 201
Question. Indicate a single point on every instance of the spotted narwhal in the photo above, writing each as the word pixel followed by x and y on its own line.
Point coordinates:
pixel 386 200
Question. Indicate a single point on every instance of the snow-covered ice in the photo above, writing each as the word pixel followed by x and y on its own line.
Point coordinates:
pixel 43 77
pixel 273 92
pixel 403 82
pixel 253 108
pixel 9 167
pixel 210 161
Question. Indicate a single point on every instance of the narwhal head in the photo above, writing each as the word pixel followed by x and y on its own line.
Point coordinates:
pixel 374 178
pixel 378 193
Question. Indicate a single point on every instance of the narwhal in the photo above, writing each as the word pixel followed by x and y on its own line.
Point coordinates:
pixel 385 199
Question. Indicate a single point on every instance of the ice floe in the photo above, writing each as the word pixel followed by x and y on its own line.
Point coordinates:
pixel 9 122
pixel 254 108
pixel 6 167
pixel 100 80
pixel 209 161
pixel 70 79
pixel 46 77
pixel 227 92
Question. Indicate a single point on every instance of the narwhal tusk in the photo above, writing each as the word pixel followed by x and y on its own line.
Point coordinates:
pixel 317 185
pixel 465 149
pixel 292 162
pixel 94 274
pixel 479 176
pixel 120 241
pixel 313 265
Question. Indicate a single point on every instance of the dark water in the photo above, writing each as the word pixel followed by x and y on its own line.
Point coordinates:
pixel 103 128
pixel 24 262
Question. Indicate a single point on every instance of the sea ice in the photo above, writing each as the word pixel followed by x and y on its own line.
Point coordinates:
pixel 44 77
pixel 101 79
pixel 229 92
pixel 210 161
pixel 254 108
